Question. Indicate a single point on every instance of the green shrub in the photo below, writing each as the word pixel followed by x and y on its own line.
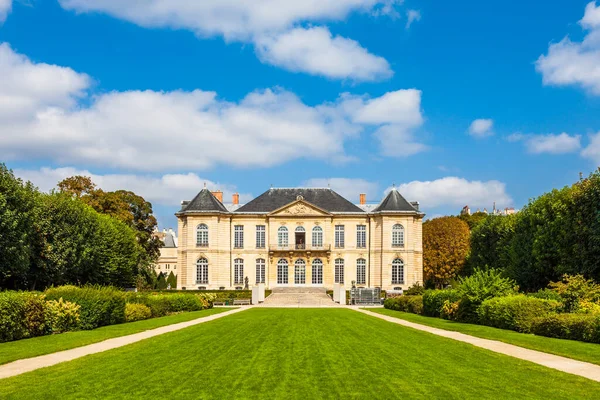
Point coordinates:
pixel 583 327
pixel 100 306
pixel 480 286
pixel 574 289
pixel 35 315
pixel 12 316
pixel 412 304
pixel 137 312
pixel 546 294
pixel 514 312
pixel 63 316
pixel 433 300
pixel 161 304
pixel 415 290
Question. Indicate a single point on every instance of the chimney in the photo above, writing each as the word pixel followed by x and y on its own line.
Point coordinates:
pixel 236 198
pixel 363 199
pixel 218 194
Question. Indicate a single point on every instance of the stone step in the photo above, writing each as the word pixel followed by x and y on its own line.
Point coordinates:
pixel 299 289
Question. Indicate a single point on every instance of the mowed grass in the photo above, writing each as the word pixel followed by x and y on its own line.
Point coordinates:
pixel 41 345
pixel 298 354
pixel 589 352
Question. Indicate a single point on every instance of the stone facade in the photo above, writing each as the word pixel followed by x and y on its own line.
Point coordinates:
pixel 210 257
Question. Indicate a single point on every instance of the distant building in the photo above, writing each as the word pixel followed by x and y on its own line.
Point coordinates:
pixel 167 262
pixel 507 211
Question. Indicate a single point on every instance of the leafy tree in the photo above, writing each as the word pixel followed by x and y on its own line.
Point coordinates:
pixel 490 242
pixel 172 280
pixel 473 220
pixel 161 282
pixel 445 248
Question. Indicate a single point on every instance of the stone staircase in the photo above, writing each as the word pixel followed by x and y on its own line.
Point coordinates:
pixel 303 297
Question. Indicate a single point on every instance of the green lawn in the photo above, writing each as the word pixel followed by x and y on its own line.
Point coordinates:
pixel 588 352
pixel 298 354
pixel 41 345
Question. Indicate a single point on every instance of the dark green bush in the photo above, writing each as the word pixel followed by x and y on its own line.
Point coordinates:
pixel 12 316
pixel 514 312
pixel 412 304
pixel 36 312
pixel 546 294
pixel 415 290
pixel 583 327
pixel 433 300
pixel 164 303
pixel 100 305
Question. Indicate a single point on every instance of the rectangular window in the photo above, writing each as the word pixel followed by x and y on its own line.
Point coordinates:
pixel 361 236
pixel 238 238
pixel 361 271
pixel 238 271
pixel 339 271
pixel 260 270
pixel 339 236
pixel 260 236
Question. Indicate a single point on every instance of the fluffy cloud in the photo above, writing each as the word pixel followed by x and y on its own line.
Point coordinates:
pixel 5 6
pixel 456 192
pixel 158 131
pixel 166 190
pixel 316 51
pixel 348 187
pixel 592 151
pixel 412 16
pixel 575 63
pixel 481 128
pixel 552 144
pixel 272 25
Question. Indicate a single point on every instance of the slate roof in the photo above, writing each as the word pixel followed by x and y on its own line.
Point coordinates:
pixel 204 201
pixel 169 241
pixel 273 199
pixel 395 202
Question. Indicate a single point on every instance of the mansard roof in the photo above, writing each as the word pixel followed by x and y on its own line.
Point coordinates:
pixel 274 199
pixel 204 201
pixel 169 241
pixel 394 202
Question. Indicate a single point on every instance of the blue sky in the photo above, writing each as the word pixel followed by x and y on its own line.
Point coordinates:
pixel 472 102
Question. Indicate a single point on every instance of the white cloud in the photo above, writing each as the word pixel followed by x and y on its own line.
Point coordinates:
pixel 456 192
pixel 481 128
pixel 592 151
pixel 575 63
pixel 167 131
pixel 398 141
pixel 5 7
pixel 166 190
pixel 349 188
pixel 273 25
pixel 316 51
pixel 412 16
pixel 550 143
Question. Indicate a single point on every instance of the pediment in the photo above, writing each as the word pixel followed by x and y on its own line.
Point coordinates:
pixel 299 208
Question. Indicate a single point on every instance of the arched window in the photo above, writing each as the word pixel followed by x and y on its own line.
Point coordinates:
pixel 202 235
pixel 260 270
pixel 300 229
pixel 361 271
pixel 300 272
pixel 202 270
pixel 317 236
pixel 238 271
pixel 397 272
pixel 397 236
pixel 339 270
pixel 282 236
pixel 282 272
pixel 317 272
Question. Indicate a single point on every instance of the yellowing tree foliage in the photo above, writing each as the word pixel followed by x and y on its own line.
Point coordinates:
pixel 445 248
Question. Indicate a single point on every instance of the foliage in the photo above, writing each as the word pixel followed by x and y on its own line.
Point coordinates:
pixel 433 300
pixel 12 316
pixel 412 304
pixel 161 282
pixel 137 312
pixel 161 304
pixel 574 290
pixel 514 312
pixel 415 290
pixel 490 242
pixel 445 248
pixel 475 219
pixel 583 327
pixel 100 306
pixel 36 313
pixel 172 280
pixel 546 294
pixel 63 316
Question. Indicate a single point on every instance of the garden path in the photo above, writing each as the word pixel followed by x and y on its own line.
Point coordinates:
pixel 29 364
pixel 586 370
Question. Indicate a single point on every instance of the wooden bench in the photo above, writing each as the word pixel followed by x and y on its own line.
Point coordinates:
pixel 241 302
pixel 218 303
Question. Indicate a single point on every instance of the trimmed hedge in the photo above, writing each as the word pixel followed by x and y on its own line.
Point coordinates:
pixel 13 325
pixel 137 312
pixel 515 312
pixel 161 304
pixel 583 327
pixel 100 305
pixel 433 301
pixel 412 304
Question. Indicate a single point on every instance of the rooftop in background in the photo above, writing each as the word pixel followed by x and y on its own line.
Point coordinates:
pixel 273 199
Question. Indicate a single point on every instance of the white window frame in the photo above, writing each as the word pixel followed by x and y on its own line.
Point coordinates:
pixel 339 271
pixel 397 272
pixel 202 235
pixel 282 237
pixel 361 271
pixel 238 237
pixel 398 235
pixel 361 236
pixel 202 271
pixel 300 272
pixel 260 270
pixel 238 271
pixel 282 272
pixel 317 271
pixel 317 236
pixel 339 236
pixel 260 236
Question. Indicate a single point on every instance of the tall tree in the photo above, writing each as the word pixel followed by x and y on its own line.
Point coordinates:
pixel 445 249
pixel 490 243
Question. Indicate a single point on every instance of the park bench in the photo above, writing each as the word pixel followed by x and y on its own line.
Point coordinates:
pixel 218 303
pixel 241 302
